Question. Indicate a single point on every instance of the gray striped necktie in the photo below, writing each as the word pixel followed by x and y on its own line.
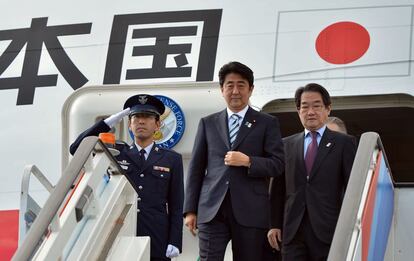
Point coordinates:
pixel 234 126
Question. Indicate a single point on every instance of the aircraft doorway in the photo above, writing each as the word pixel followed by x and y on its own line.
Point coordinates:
pixel 391 116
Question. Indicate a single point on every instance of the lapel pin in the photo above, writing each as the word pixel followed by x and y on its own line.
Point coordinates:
pixel 328 145
pixel 156 148
pixel 248 124
pixel 131 147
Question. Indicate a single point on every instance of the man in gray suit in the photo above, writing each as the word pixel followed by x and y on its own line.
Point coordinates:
pixel 236 152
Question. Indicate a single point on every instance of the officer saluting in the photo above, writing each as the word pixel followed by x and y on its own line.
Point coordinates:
pixel 156 172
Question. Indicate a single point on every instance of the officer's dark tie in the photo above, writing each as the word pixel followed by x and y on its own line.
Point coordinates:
pixel 234 126
pixel 311 152
pixel 142 157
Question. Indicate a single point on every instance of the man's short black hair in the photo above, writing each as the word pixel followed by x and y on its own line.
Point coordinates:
pixel 312 87
pixel 236 67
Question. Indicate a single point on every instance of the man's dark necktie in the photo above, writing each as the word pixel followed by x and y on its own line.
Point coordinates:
pixel 311 152
pixel 141 158
pixel 234 126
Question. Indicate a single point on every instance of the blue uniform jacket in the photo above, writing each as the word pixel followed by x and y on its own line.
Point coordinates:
pixel 160 188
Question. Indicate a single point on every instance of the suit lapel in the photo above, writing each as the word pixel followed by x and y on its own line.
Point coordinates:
pixel 325 145
pixel 222 127
pixel 153 157
pixel 299 144
pixel 246 127
pixel 133 154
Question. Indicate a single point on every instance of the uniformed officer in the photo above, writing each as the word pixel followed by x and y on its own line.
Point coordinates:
pixel 156 172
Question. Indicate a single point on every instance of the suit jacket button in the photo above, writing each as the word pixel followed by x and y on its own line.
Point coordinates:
pixel 139 199
pixel 138 210
pixel 140 187
pixel 142 175
pixel 227 182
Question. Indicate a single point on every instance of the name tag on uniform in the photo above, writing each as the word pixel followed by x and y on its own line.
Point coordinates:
pixel 164 169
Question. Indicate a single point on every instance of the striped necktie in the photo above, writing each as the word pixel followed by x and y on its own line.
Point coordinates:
pixel 234 126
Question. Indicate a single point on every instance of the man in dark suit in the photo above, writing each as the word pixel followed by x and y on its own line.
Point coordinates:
pixel 318 164
pixel 155 172
pixel 236 152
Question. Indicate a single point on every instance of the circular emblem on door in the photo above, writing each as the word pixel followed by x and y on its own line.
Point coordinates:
pixel 172 124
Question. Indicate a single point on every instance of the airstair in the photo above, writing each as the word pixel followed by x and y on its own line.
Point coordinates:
pixel 376 219
pixel 89 215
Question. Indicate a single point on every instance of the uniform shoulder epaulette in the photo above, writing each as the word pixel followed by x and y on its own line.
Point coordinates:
pixel 120 145
pixel 167 150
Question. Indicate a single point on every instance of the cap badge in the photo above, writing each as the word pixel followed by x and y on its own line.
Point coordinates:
pixel 143 99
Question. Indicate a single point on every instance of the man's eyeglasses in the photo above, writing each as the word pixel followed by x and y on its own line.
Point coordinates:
pixel 314 107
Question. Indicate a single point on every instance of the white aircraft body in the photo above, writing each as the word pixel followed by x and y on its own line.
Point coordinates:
pixel 52 52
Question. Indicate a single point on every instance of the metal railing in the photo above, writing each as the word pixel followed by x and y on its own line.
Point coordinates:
pixel 29 208
pixel 348 226
pixel 39 228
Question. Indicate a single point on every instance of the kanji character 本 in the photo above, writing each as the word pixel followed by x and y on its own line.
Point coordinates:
pixel 34 38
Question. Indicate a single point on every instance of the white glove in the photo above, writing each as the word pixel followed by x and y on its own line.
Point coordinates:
pixel 117 117
pixel 172 251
